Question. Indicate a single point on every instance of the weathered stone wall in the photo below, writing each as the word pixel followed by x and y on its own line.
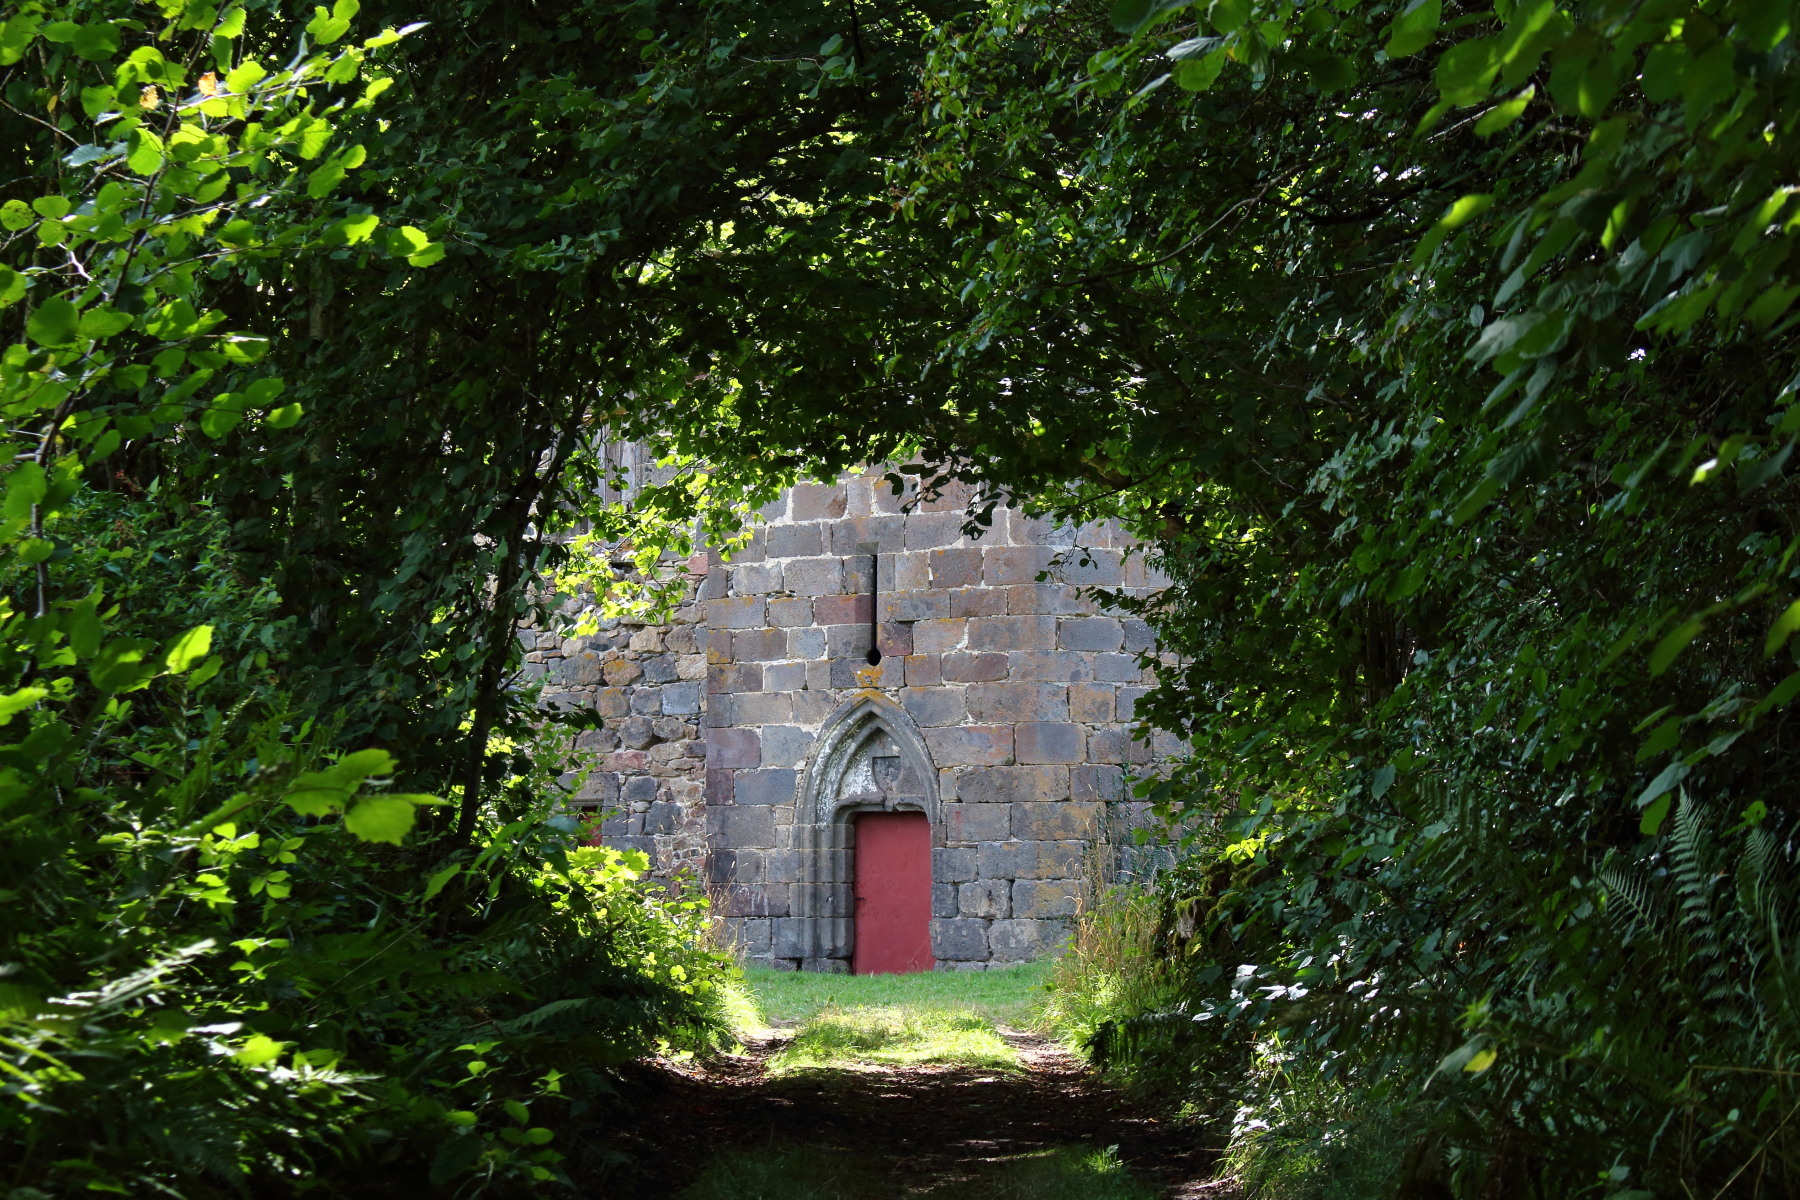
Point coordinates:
pixel 1022 691
pixel 646 766
pixel 1015 696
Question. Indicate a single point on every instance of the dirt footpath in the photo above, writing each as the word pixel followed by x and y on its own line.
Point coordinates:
pixel 920 1126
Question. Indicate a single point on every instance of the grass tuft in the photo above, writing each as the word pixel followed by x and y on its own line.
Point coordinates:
pixel 787 1173
pixel 1065 1173
pixel 894 1036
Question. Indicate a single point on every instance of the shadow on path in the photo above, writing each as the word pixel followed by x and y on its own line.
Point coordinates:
pixel 916 1127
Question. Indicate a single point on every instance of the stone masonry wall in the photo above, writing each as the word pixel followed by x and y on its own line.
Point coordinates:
pixel 1023 692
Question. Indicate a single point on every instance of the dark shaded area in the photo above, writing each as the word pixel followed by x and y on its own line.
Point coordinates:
pixel 921 1127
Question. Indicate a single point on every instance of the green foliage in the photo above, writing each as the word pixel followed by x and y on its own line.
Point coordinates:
pixel 1444 354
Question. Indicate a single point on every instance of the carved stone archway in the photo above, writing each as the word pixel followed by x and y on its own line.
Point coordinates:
pixel 869 757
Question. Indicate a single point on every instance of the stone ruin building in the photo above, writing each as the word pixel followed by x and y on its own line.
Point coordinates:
pixel 939 801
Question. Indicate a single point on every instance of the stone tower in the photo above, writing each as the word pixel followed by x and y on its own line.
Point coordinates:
pixel 742 739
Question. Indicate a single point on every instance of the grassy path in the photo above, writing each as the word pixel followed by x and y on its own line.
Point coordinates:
pixel 904 1086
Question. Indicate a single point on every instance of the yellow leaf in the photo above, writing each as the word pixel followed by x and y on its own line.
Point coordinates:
pixel 209 84
pixel 149 97
pixel 1481 1062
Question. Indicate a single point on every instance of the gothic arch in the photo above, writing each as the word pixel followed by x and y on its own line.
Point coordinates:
pixel 869 757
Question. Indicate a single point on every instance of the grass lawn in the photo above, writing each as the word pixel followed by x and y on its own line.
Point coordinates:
pixel 1012 997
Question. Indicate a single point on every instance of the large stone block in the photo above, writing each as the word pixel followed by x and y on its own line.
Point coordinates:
pixel 908 572
pixel 660 668
pixel 1059 666
pixel 621 672
pixel 1021 940
pixel 681 699
pixel 583 669
pixel 635 733
pixel 600 787
pixel 1117 668
pixel 759 708
pixel 1013 785
pixel 806 644
pixel 967 823
pixel 785 745
pixel 724 678
pixel 785 676
pixel 1012 633
pixel 956 568
pixel 638 789
pixel 1091 567
pixel 1040 898
pixel 963 667
pixel 1100 634
pixel 943 899
pixel 978 602
pixel 959 939
pixel 895 638
pixel 759 645
pixel 842 610
pixel 790 612
pixel 1016 702
pixel 1064 821
pixel 934 706
pixel 1047 598
pixel 1102 784
pixel 849 536
pixel 1091 703
pixel 928 531
pixel 1030 860
pixel 857 672
pixel 817 502
pixel 756 579
pixel 970 745
pixel 1128 700
pixel 740 825
pixel 719 785
pixel 940 636
pixel 736 612
pixel 872 495
pixel 767 785
pixel 813 576
pixel 647 702
pixel 985 898
pixel 733 748
pixel 1008 565
pixel 1106 745
pixel 922 670
pixel 1139 638
pixel 953 864
pixel 794 541
pixel 915 606
pixel 1049 742
pixel 791 938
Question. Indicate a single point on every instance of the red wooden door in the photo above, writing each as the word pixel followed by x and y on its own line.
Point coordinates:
pixel 893 894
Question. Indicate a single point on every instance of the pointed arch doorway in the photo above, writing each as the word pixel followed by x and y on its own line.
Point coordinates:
pixel 868 804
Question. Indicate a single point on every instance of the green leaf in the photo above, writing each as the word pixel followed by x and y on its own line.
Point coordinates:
pixel 11 706
pixel 1655 815
pixel 97 42
pixel 382 818
pixel 1333 73
pixel 1671 775
pixel 1673 643
pixel 1228 16
pixel 359 228
pixel 98 324
pixel 144 152
pixel 1504 113
pixel 283 417
pixel 437 882
pixel 259 1051
pixel 222 415
pixel 189 649
pixel 1782 629
pixel 53 323
pixel 406 239
pixel 1465 71
pixel 1198 74
pixel 16 34
pixel 1414 28
pixel 54 207
pixel 366 763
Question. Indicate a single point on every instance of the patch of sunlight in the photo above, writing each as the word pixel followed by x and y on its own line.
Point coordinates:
pixel 1065 1173
pixel 787 1173
pixel 1011 996
pixel 894 1035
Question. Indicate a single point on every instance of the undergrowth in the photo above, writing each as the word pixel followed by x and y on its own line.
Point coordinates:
pixel 894 1036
